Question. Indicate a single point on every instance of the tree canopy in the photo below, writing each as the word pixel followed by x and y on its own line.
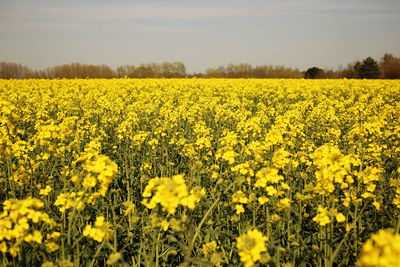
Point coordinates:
pixel 313 73
pixel 369 69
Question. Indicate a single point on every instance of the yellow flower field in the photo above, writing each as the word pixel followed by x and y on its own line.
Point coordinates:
pixel 199 172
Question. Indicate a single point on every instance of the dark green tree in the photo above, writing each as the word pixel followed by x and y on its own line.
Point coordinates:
pixel 314 73
pixel 369 69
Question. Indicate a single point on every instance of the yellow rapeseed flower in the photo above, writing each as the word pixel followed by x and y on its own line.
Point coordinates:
pixel 45 191
pixel 170 193
pixel 322 217
pixel 209 248
pixel 251 246
pixel 114 258
pixel 381 249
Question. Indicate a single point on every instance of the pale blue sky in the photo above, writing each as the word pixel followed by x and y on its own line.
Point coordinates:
pixel 206 33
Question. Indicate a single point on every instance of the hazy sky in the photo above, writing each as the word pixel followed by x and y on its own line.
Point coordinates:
pixel 202 33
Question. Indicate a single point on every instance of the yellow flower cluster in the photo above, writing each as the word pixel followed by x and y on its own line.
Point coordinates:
pixel 51 240
pixel 170 193
pixel 396 183
pixel 268 176
pixel 15 223
pixel 102 230
pixel 209 248
pixel 99 171
pixel 251 246
pixel 333 167
pixel 324 216
pixel 239 199
pixel 45 191
pixel 114 258
pixel 381 249
pixel 70 200
pixel 105 169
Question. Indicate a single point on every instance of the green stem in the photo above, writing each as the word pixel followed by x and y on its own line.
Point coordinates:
pixel 353 225
pixel 62 235
pixel 97 254
pixel 191 244
pixel 71 219
pixel 397 225
pixel 157 244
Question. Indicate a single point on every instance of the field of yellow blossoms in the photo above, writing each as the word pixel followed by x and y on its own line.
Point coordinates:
pixel 199 172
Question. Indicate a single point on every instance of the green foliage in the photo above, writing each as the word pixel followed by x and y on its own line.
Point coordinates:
pixel 313 73
pixel 369 69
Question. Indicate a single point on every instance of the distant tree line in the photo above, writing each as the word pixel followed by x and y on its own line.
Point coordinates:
pixel 387 68
pixel 248 71
pixel 152 70
pixel 76 70
pixel 10 70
